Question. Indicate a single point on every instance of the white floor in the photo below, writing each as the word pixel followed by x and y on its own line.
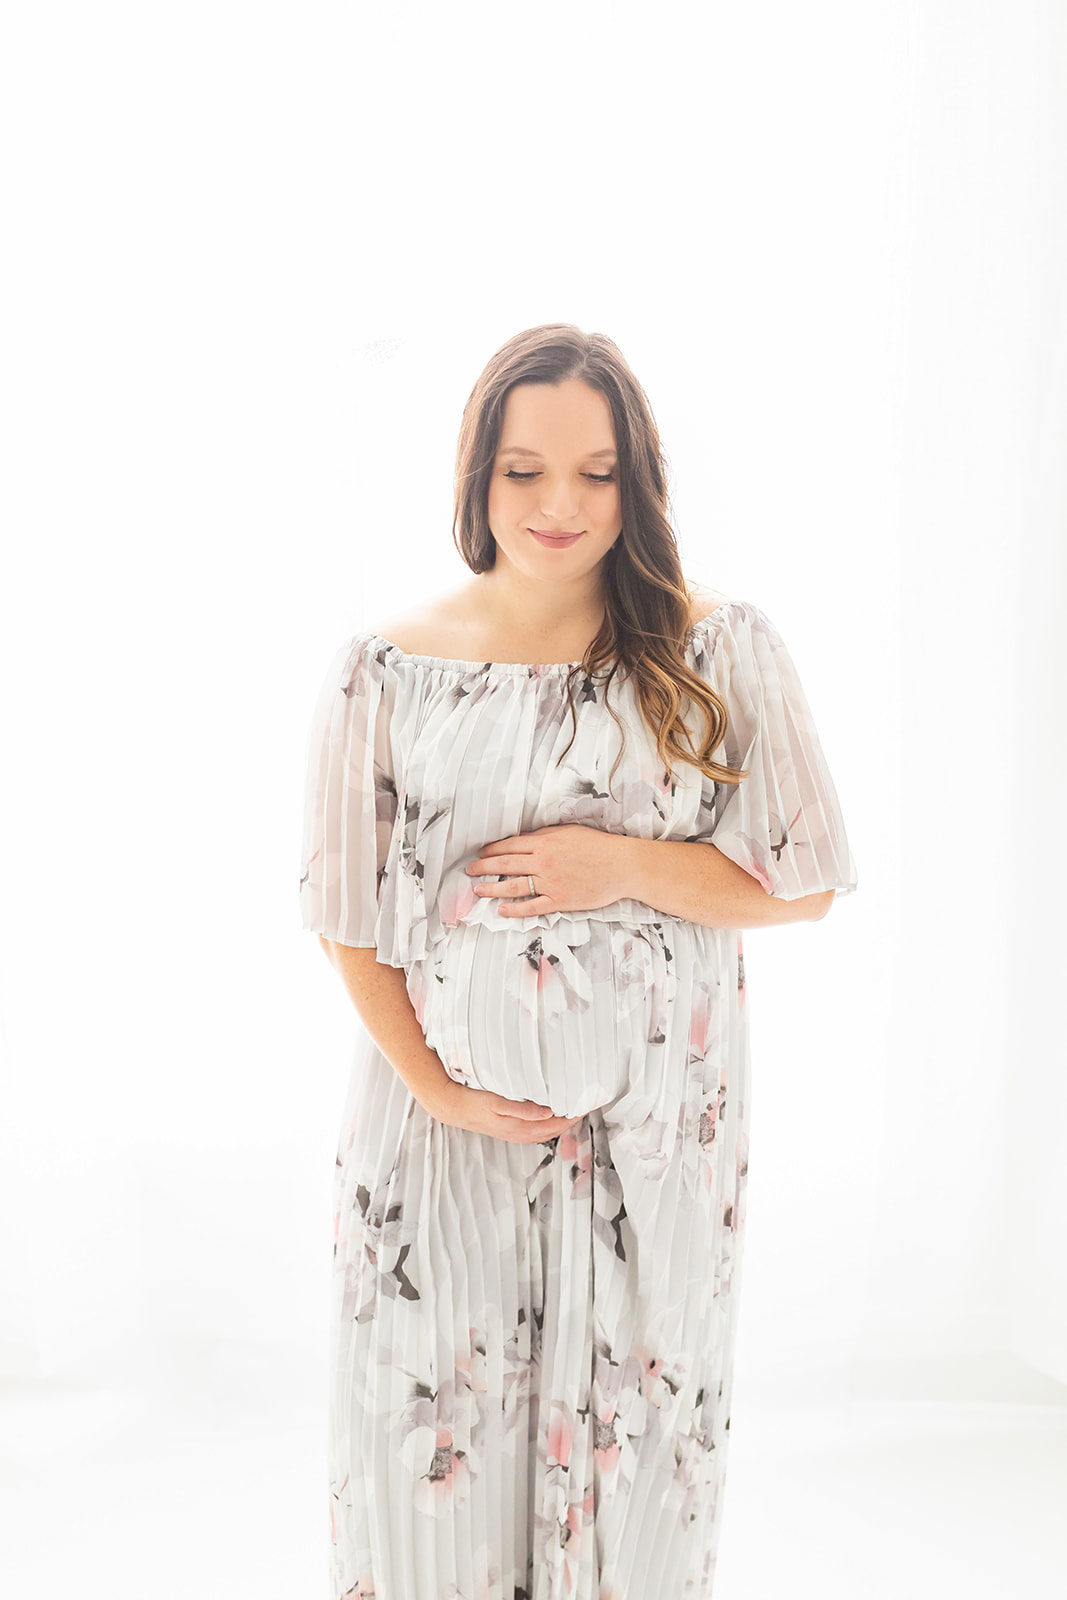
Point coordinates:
pixel 860 1502
pixel 897 1502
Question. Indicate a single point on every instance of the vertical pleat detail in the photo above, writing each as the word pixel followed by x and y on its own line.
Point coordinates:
pixel 783 823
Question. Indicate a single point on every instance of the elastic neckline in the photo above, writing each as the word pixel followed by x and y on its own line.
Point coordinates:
pixel 530 668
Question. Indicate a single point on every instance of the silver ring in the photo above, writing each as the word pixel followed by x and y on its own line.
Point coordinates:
pixel 529 879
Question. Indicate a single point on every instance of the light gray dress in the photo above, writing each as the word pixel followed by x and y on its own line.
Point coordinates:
pixel 532 1345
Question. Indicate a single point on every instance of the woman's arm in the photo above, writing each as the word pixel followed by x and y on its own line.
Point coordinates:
pixel 691 879
pixel 380 995
pixel 578 867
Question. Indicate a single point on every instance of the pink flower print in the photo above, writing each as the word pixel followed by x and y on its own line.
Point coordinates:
pixel 573 1526
pixel 663 784
pixel 417 996
pixel 650 1377
pixel 576 1153
pixel 606 1447
pixel 442 1475
pixel 560 1437
pixel 564 1521
pixel 547 982
pixel 579 1516
pixel 457 900
pixel 701 1028
pixel 545 967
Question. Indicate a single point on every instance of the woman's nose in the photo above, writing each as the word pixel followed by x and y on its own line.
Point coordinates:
pixel 558 502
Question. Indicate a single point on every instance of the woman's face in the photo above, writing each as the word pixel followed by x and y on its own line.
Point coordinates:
pixel 556 472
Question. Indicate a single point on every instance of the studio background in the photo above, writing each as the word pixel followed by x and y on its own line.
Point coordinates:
pixel 260 256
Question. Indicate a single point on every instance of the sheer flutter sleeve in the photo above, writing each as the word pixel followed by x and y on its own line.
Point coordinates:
pixel 350 798
pixel 783 823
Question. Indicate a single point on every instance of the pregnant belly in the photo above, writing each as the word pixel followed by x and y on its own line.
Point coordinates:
pixel 567 1016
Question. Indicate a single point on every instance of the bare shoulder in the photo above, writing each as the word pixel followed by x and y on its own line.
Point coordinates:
pixel 404 629
pixel 435 628
pixel 704 601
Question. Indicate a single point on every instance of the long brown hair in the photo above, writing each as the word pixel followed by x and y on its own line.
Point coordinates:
pixel 646 623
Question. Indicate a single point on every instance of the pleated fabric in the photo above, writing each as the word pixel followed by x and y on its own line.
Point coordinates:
pixel 532 1345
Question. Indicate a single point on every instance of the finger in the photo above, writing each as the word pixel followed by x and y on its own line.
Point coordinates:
pixel 531 1109
pixel 560 1125
pixel 535 1132
pixel 528 906
pixel 494 888
pixel 516 1131
pixel 503 888
pixel 542 1128
pixel 499 866
pixel 515 889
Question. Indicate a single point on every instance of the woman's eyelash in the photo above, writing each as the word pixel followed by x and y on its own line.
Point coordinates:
pixel 524 477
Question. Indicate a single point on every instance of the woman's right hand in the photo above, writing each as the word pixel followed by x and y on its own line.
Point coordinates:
pixel 482 1111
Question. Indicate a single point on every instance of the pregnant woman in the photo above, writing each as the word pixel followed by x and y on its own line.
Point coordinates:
pixel 539 811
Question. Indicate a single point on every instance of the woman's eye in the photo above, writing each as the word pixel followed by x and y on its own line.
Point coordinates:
pixel 524 477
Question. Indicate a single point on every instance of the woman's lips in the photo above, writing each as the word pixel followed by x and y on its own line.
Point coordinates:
pixel 558 540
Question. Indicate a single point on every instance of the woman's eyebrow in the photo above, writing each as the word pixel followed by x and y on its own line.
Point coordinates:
pixel 521 450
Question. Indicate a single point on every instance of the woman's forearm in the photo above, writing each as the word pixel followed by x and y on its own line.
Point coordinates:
pixel 692 879
pixel 380 995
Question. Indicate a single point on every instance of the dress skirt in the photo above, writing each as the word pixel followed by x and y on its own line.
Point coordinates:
pixel 532 1345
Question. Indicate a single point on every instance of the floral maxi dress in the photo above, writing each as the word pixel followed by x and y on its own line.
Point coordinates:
pixel 532 1345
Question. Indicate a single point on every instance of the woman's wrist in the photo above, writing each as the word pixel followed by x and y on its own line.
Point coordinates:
pixel 424 1074
pixel 438 1098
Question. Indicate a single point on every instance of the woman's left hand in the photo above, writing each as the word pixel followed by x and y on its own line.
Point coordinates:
pixel 574 868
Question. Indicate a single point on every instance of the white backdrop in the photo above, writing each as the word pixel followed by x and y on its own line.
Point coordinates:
pixel 257 258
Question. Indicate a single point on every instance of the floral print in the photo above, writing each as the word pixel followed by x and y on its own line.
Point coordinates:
pixel 532 1345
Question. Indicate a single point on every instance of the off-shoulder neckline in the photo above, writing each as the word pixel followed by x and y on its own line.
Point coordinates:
pixel 454 664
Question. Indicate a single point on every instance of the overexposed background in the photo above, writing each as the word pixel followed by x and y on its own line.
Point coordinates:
pixel 257 256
